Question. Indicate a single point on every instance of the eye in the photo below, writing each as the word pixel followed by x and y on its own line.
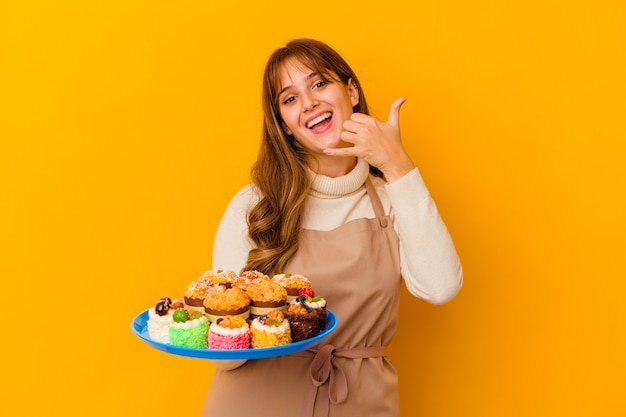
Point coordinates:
pixel 320 84
pixel 288 100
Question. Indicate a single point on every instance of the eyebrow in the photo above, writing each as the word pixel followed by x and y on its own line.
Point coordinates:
pixel 308 77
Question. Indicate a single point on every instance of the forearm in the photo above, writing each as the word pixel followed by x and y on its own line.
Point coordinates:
pixel 430 265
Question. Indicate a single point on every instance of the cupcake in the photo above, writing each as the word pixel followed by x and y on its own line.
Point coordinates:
pixel 219 277
pixel 265 296
pixel 221 301
pixel 246 277
pixel 196 293
pixel 229 332
pixel 159 319
pixel 317 303
pixel 228 274
pixel 270 330
pixel 303 320
pixel 190 329
pixel 292 283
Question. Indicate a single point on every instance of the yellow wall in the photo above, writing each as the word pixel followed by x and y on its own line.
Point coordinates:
pixel 126 126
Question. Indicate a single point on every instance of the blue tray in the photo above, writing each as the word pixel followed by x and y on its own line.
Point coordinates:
pixel 139 326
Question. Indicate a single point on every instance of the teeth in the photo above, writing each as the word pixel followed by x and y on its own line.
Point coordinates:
pixel 318 119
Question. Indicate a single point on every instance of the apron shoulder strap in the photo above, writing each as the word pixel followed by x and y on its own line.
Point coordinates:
pixel 376 203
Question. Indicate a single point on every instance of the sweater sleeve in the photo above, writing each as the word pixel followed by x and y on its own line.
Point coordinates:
pixel 232 243
pixel 429 263
pixel 231 246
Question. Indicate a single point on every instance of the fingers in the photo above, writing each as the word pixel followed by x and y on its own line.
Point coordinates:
pixel 349 151
pixel 360 118
pixel 394 112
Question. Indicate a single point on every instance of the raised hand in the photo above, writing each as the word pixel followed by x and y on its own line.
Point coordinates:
pixel 377 142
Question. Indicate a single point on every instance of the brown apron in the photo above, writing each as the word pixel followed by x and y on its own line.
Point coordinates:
pixel 356 268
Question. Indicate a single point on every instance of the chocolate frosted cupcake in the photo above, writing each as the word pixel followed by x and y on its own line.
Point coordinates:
pixel 265 296
pixel 303 320
pixel 222 301
pixel 318 304
pixel 292 283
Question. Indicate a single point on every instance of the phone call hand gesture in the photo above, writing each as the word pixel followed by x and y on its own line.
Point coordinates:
pixel 377 142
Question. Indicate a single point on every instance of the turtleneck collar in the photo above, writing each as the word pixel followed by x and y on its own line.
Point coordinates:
pixel 328 187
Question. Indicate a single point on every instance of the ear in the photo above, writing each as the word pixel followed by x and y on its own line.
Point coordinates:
pixel 353 92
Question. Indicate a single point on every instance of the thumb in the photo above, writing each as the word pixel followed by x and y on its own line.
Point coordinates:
pixel 394 112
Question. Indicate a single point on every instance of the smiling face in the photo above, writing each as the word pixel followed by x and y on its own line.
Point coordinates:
pixel 313 106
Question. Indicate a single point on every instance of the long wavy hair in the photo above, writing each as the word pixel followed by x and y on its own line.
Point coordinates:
pixel 280 171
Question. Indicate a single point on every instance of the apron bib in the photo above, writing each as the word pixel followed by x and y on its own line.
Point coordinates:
pixel 356 268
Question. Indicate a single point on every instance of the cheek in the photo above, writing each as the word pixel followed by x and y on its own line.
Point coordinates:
pixel 287 121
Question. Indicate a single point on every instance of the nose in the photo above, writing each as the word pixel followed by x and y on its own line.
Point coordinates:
pixel 309 101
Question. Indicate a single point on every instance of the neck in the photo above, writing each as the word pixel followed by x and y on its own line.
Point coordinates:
pixel 332 166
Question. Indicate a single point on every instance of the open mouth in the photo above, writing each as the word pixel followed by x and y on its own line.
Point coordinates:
pixel 319 119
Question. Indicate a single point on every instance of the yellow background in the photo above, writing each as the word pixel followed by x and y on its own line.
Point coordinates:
pixel 126 126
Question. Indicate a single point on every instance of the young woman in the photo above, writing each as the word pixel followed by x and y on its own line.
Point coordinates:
pixel 335 197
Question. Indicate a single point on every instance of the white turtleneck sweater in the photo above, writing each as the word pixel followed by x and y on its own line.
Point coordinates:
pixel 429 262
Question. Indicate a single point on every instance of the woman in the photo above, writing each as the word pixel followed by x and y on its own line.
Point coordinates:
pixel 334 197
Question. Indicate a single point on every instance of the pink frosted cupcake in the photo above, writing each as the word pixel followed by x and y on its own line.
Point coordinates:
pixel 229 333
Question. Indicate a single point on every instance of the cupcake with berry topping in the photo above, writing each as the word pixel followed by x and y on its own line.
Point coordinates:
pixel 265 296
pixel 292 283
pixel 303 320
pixel 316 303
pixel 190 329
pixel 270 330
pixel 230 332
pixel 221 302
pixel 159 319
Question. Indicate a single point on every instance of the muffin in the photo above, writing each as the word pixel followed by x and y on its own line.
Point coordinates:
pixel 292 283
pixel 229 332
pixel 218 277
pixel 221 301
pixel 246 277
pixel 196 293
pixel 228 275
pixel 265 296
pixel 270 330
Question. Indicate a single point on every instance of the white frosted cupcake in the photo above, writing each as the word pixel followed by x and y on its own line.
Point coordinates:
pixel 160 317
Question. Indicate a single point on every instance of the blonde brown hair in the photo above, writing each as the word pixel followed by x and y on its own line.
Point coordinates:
pixel 280 171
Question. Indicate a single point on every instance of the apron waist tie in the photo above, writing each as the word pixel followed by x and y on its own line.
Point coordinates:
pixel 328 380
